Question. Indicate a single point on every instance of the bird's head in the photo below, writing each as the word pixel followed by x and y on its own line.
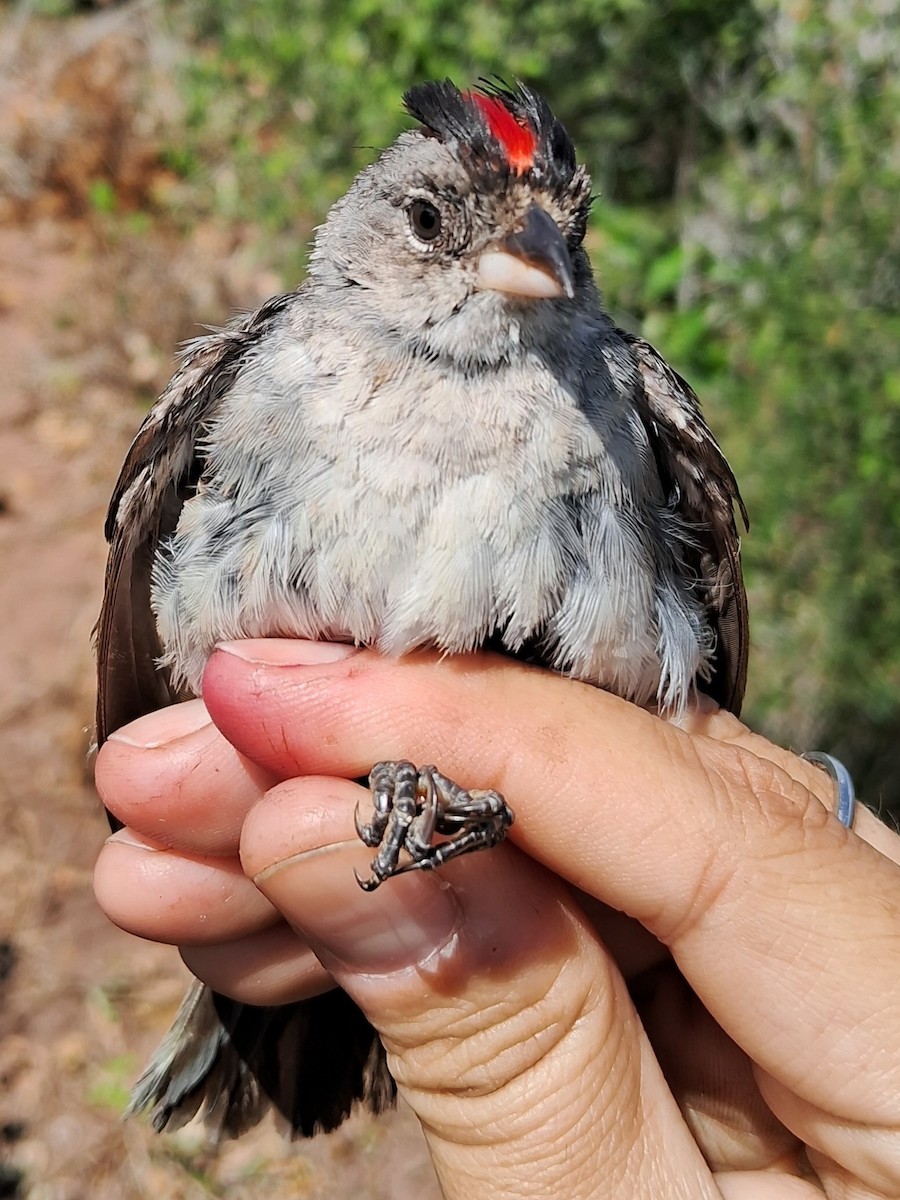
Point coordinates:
pixel 465 236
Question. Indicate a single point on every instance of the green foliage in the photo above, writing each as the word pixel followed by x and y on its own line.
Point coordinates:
pixel 746 159
pixel 102 196
pixel 295 98
pixel 111 1085
pixel 803 297
pixel 55 8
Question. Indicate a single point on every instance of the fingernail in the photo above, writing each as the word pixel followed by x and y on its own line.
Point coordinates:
pixel 165 726
pixel 284 652
pixel 406 922
pixel 127 837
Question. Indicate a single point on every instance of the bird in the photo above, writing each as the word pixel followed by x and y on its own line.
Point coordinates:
pixel 439 439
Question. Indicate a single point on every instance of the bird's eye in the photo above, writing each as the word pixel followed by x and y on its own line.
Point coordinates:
pixel 424 220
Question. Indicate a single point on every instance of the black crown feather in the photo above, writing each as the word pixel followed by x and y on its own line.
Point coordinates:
pixel 508 127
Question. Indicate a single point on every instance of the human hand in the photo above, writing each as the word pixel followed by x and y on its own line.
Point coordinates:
pixel 757 1054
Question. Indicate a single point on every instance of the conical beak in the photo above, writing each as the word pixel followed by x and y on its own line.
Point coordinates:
pixel 534 261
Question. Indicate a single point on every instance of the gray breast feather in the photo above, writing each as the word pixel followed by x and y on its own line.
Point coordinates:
pixel 535 525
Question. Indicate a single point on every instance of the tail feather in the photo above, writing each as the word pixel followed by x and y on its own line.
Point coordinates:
pixel 229 1063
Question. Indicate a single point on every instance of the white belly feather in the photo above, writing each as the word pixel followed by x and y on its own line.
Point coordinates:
pixel 331 533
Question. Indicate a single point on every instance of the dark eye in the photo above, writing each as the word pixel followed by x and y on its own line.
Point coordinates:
pixel 424 220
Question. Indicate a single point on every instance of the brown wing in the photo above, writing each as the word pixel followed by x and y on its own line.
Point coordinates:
pixel 312 1060
pixel 160 472
pixel 705 492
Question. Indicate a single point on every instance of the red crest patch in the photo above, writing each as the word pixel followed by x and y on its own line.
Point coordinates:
pixel 517 139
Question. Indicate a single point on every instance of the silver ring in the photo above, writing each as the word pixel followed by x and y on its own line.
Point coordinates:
pixel 846 792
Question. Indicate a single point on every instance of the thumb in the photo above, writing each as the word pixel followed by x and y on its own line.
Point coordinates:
pixel 508 1029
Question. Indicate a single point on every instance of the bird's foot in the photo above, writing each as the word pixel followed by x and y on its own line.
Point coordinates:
pixel 411 806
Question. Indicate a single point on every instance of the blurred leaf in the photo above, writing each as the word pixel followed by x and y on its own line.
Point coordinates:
pixel 111 1086
pixel 102 196
pixel 664 274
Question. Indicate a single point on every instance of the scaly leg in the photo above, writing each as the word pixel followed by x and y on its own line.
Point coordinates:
pixel 411 806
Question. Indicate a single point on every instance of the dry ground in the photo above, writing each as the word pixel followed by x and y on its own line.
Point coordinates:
pixel 90 309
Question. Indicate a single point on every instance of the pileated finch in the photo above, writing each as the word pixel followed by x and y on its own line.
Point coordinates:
pixel 439 439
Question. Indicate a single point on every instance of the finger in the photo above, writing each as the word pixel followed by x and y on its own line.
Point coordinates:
pixel 172 777
pixel 771 1184
pixel 273 966
pixel 726 853
pixel 156 893
pixel 724 727
pixel 712 1078
pixel 507 1028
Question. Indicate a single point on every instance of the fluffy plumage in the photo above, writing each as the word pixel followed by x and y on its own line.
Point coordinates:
pixel 408 451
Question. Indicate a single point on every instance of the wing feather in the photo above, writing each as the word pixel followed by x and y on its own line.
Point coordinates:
pixel 229 1061
pixel 160 472
pixel 703 489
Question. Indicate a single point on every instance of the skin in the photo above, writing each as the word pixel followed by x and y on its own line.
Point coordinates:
pixel 724 1022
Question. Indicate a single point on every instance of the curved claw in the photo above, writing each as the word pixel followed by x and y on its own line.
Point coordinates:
pixel 367 885
pixel 414 806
